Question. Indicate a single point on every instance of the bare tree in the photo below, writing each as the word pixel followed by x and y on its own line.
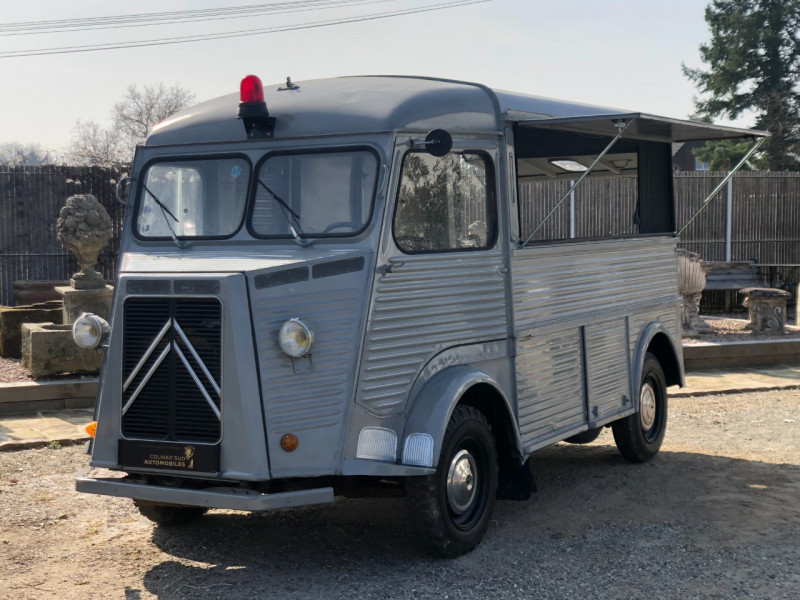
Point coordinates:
pixel 131 120
pixel 139 110
pixel 20 154
pixel 95 146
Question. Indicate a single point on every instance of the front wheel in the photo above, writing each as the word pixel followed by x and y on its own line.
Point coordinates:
pixel 639 436
pixel 451 508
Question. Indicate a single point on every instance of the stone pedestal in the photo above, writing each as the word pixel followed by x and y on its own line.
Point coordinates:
pixel 12 318
pixel 766 308
pixel 49 349
pixel 97 301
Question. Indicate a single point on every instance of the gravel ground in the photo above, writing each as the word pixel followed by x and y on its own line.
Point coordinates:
pixel 11 371
pixel 728 329
pixel 714 515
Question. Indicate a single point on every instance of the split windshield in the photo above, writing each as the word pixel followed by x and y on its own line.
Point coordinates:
pixel 294 195
pixel 314 194
pixel 192 198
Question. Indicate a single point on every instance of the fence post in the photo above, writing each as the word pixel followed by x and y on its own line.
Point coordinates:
pixel 572 210
pixel 728 213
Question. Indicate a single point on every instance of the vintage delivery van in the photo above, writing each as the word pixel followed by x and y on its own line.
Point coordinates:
pixel 366 283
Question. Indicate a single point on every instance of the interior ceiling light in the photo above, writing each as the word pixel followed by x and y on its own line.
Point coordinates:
pixel 568 165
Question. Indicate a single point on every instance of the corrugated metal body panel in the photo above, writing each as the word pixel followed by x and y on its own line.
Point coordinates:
pixel 571 280
pixel 424 305
pixel 308 397
pixel 550 387
pixel 607 363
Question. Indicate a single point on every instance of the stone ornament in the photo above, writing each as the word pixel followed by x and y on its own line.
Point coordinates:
pixel 84 228
pixel 766 308
pixel 691 282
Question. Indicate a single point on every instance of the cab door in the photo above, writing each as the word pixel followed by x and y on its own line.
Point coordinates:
pixel 441 277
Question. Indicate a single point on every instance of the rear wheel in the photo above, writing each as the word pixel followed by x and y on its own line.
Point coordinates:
pixel 451 508
pixel 639 436
pixel 169 515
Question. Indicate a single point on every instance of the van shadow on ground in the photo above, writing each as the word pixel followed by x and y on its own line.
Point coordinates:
pixel 589 500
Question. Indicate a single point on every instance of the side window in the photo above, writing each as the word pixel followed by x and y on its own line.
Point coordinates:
pixel 445 204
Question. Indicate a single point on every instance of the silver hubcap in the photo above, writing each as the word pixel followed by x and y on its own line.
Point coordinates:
pixel 647 406
pixel 461 482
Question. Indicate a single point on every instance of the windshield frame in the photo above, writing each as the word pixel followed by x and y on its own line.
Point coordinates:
pixel 141 192
pixel 312 151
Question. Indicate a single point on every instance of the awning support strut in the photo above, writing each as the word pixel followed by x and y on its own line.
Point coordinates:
pixel 723 182
pixel 622 125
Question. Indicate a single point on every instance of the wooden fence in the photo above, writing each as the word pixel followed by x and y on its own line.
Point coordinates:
pixel 30 199
pixel 763 220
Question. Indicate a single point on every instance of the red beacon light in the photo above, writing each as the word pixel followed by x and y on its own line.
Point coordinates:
pixel 253 109
pixel 251 90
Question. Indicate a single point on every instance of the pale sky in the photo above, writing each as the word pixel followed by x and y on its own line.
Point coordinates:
pixel 618 53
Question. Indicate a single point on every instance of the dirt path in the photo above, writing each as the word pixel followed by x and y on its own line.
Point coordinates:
pixel 715 515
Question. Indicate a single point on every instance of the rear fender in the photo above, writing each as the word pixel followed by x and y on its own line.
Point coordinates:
pixel 670 357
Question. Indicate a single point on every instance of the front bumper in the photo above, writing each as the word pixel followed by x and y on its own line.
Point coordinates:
pixel 217 497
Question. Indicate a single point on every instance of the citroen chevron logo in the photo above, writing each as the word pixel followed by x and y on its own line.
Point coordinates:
pixel 174 345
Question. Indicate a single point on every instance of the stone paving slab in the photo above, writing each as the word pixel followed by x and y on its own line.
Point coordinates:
pixel 715 381
pixel 44 427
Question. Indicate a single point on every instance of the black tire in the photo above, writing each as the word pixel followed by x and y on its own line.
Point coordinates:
pixel 639 436
pixel 585 437
pixel 452 519
pixel 168 515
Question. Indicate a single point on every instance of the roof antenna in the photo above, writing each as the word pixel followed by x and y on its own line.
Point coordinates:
pixel 290 85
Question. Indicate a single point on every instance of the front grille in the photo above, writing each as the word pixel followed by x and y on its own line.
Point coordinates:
pixel 165 398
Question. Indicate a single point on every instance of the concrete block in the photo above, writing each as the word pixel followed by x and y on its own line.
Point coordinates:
pixel 49 349
pixel 96 301
pixel 35 291
pixel 12 318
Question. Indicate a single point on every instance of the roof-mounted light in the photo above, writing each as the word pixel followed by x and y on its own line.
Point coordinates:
pixel 251 90
pixel 253 109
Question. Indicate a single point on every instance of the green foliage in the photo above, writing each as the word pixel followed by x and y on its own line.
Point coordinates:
pixel 726 154
pixel 54 445
pixel 753 62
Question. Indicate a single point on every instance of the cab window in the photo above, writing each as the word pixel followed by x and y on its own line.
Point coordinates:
pixel 445 204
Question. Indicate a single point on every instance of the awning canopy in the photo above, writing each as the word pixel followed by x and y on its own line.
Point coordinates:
pixel 643 127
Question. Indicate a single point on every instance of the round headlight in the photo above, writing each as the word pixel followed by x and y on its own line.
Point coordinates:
pixel 295 338
pixel 89 330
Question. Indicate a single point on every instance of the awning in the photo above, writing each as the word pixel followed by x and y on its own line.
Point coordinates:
pixel 643 127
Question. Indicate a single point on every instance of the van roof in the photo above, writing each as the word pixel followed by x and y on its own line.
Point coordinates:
pixel 369 104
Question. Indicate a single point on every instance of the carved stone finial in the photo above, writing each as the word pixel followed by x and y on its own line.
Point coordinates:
pixel 84 228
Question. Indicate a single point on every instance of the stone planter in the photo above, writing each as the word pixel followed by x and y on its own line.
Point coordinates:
pixel 48 349
pixel 12 318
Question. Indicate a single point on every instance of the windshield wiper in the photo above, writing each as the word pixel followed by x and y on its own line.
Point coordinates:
pixel 165 211
pixel 286 208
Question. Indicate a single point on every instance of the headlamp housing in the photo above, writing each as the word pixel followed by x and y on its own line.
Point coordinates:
pixel 295 338
pixel 89 330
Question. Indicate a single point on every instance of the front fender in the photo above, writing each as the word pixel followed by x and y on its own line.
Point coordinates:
pixel 437 400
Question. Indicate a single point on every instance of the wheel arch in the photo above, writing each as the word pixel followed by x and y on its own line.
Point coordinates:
pixel 656 340
pixel 462 384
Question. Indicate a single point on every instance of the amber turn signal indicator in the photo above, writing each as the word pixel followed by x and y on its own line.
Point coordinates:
pixel 289 442
pixel 91 428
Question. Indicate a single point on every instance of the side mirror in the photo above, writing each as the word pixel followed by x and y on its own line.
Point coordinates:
pixel 438 143
pixel 121 191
